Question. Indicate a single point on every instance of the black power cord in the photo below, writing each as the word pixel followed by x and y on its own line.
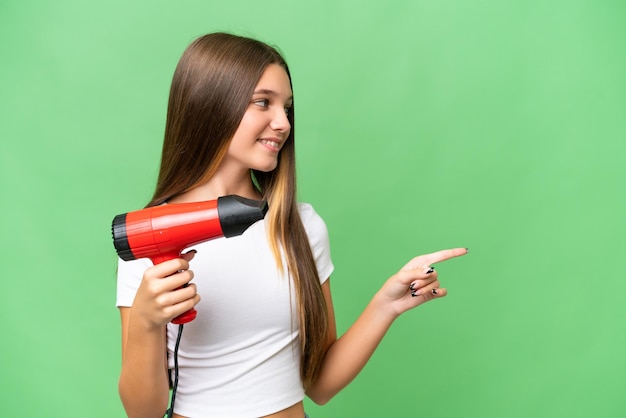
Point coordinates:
pixel 170 411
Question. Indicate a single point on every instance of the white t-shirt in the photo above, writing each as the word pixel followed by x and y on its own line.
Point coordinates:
pixel 240 357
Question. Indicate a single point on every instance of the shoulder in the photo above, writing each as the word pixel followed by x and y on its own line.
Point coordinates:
pixel 317 233
pixel 311 220
pixel 129 276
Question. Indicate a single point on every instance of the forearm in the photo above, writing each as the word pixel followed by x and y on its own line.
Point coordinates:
pixel 347 356
pixel 143 384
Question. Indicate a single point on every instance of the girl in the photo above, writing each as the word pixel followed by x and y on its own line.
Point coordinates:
pixel 265 334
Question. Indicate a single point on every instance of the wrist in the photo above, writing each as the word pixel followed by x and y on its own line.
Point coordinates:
pixel 384 308
pixel 141 324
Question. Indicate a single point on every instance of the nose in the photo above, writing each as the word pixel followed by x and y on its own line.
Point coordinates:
pixel 280 122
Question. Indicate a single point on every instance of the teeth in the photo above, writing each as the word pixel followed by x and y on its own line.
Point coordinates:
pixel 270 143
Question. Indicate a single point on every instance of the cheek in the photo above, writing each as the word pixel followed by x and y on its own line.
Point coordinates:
pixel 251 126
pixel 243 134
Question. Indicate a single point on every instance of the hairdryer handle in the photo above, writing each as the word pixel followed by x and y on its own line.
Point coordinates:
pixel 185 317
pixel 188 316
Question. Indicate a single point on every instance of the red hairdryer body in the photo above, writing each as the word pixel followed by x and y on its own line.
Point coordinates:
pixel 161 233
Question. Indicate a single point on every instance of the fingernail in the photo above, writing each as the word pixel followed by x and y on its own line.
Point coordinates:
pixel 414 293
pixel 412 287
pixel 434 291
pixel 430 270
pixel 466 250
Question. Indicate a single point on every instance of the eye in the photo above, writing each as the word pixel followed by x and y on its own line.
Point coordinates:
pixel 288 110
pixel 262 102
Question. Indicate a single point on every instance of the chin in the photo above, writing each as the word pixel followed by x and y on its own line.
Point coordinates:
pixel 266 168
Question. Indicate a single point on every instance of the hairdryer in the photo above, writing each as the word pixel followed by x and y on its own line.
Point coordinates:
pixel 161 233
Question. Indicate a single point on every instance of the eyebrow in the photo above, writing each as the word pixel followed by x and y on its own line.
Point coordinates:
pixel 270 93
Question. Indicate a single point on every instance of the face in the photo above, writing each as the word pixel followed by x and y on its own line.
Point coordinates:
pixel 264 128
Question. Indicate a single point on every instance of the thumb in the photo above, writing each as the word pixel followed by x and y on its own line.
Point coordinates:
pixel 189 255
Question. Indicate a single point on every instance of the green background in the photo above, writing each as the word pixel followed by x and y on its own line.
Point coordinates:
pixel 496 125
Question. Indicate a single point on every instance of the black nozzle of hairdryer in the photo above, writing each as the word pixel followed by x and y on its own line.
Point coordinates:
pixel 237 213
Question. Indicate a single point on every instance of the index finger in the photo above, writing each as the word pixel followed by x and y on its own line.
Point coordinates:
pixel 443 255
pixel 436 257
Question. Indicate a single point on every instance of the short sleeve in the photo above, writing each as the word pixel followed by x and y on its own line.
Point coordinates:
pixel 317 232
pixel 129 275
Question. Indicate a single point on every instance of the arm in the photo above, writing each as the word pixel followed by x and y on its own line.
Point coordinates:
pixel 143 380
pixel 346 356
pixel 143 384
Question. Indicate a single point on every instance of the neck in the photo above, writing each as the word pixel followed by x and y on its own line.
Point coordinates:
pixel 220 185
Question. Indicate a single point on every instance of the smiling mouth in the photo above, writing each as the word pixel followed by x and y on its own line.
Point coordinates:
pixel 270 143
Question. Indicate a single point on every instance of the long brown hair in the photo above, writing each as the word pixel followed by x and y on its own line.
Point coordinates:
pixel 211 89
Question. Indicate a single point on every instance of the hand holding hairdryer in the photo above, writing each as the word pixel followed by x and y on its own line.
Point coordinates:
pixel 161 233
